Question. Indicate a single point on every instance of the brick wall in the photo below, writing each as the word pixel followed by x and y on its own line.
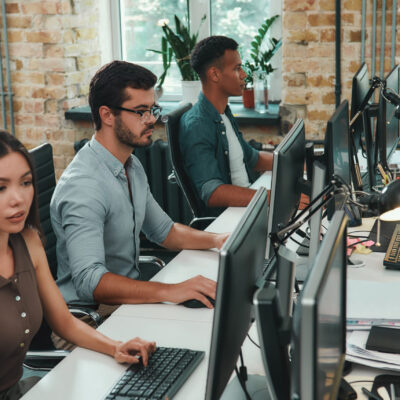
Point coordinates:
pixel 54 51
pixel 309 55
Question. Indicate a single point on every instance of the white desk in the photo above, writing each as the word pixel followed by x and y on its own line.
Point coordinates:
pixel 87 375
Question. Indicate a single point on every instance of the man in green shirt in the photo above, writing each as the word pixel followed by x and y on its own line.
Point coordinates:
pixel 219 162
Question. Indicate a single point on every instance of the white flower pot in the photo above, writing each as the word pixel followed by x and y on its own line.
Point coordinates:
pixel 190 91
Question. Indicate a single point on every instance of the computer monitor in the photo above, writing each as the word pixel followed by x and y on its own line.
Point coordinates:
pixel 360 87
pixel 388 124
pixel 241 261
pixel 319 320
pixel 287 174
pixel 337 151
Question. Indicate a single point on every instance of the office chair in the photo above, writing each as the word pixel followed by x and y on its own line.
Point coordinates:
pixel 42 354
pixel 178 174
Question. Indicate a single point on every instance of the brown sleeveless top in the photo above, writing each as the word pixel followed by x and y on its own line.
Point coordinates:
pixel 20 313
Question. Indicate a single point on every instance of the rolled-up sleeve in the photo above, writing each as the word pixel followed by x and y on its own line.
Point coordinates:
pixel 198 151
pixel 156 223
pixel 83 219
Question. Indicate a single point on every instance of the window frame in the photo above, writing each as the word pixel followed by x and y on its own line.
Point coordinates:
pixel 197 8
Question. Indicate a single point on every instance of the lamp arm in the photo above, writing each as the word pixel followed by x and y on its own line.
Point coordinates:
pixel 280 236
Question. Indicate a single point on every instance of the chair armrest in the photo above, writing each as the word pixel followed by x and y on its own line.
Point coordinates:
pixel 82 311
pixel 200 219
pixel 172 177
pixel 46 354
pixel 152 260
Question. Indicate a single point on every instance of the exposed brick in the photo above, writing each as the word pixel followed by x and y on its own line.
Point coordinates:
pixel 31 78
pixel 40 7
pixel 300 5
pixel 302 36
pixel 318 115
pixel 12 8
pixel 327 5
pixel 328 35
pixel 43 37
pixel 53 51
pixel 89 62
pixel 348 19
pixel 15 35
pixel 321 19
pixel 87 33
pixel 55 78
pixel 295 20
pixel 295 80
pixel 316 50
pixel 355 36
pixel 25 49
pixel 47 120
pixel 329 98
pixel 354 5
pixel 320 81
pixel 16 21
pixel 51 106
pixel 33 106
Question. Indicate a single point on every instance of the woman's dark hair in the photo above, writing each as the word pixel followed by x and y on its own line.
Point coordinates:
pixel 10 144
pixel 208 52
pixel 107 87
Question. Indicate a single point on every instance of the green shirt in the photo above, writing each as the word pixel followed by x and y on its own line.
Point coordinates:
pixel 205 150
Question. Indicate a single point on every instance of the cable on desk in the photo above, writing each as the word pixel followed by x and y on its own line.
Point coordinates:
pixel 252 341
pixel 361 381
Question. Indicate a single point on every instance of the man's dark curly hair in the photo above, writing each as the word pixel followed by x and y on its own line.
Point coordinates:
pixel 107 87
pixel 208 52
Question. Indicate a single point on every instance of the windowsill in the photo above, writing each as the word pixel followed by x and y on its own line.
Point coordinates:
pixel 243 115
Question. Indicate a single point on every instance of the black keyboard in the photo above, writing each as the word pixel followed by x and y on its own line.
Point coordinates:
pixel 392 256
pixel 167 371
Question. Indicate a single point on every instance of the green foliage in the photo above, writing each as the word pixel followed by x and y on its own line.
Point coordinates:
pixel 178 44
pixel 260 58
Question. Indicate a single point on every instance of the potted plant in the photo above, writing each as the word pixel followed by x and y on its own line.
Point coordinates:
pixel 259 67
pixel 248 91
pixel 179 45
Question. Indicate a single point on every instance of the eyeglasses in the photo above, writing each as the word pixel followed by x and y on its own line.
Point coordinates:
pixel 144 114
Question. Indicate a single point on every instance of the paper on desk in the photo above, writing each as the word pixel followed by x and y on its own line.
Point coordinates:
pixel 373 300
pixel 356 352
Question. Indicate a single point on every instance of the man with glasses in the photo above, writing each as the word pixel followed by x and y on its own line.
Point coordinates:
pixel 102 202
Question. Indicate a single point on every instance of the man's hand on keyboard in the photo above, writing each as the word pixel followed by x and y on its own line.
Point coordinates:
pixel 195 288
pixel 129 351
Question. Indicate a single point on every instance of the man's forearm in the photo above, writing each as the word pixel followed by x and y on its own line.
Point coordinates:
pixel 183 237
pixel 264 162
pixel 117 289
pixel 230 196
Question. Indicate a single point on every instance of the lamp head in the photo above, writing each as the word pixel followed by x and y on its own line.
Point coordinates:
pixel 389 202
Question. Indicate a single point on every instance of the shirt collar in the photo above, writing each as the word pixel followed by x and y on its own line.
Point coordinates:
pixel 112 163
pixel 210 110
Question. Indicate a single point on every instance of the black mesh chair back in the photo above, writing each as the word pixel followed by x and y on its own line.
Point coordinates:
pixel 42 157
pixel 172 127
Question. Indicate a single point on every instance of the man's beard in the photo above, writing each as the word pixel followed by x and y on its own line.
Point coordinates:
pixel 127 137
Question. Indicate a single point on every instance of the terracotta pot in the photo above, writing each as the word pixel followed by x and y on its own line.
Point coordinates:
pixel 248 98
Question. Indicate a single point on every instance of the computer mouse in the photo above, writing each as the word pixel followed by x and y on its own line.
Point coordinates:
pixel 193 303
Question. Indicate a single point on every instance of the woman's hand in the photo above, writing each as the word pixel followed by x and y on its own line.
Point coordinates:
pixel 129 351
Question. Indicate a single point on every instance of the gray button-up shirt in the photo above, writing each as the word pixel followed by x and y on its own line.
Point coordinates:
pixel 96 225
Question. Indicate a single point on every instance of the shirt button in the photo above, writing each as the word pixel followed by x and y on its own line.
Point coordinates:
pixel 223 132
pixel 23 315
pixel 115 172
pixel 22 344
pixel 226 152
pixel 16 280
pixel 27 331
pixel 17 298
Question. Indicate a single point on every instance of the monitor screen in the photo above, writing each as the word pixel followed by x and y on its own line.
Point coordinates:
pixel 337 151
pixel 287 172
pixel 241 263
pixel 319 320
pixel 360 87
pixel 388 124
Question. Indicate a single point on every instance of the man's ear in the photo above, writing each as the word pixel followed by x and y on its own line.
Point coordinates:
pixel 213 74
pixel 106 115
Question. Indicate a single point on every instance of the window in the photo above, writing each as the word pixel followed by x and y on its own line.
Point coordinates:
pixel 139 28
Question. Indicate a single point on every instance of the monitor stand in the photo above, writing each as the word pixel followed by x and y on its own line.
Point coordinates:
pixel 256 386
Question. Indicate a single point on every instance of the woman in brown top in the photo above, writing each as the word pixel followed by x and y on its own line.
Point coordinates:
pixel 27 288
